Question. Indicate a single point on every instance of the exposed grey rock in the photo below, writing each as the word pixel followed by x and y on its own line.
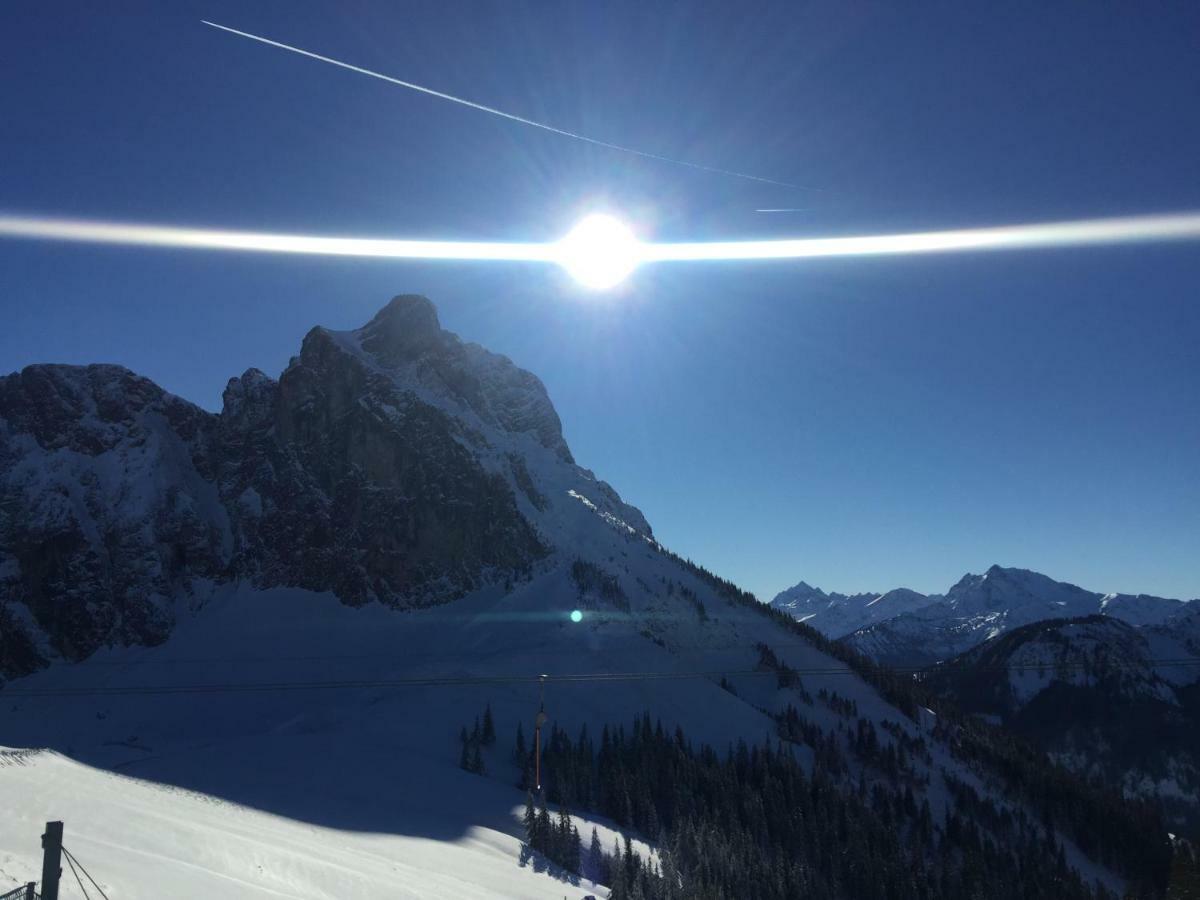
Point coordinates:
pixel 387 464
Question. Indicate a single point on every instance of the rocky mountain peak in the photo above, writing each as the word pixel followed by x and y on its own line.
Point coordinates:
pixel 406 327
pixel 406 340
pixel 248 400
pixel 80 408
pixel 395 463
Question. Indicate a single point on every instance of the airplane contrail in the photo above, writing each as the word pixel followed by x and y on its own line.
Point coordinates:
pixel 1077 233
pixel 498 112
pixel 785 209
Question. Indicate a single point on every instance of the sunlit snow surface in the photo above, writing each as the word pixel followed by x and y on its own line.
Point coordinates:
pixel 142 841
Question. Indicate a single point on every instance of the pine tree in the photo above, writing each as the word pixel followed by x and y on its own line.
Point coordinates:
pixel 520 752
pixel 545 828
pixel 464 761
pixel 489 727
pixel 596 869
pixel 477 759
pixel 574 860
pixel 617 881
pixel 530 821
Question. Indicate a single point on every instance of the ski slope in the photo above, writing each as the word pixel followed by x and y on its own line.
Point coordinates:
pixel 146 841
pixel 373 768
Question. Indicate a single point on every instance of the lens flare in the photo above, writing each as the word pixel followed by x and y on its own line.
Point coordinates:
pixel 576 616
pixel 600 251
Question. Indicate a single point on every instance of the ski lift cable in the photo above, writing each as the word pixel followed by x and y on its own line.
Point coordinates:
pixel 71 858
pixel 78 880
pixel 542 679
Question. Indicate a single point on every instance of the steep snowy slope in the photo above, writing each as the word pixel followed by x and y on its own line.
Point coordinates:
pixel 350 732
pixel 400 535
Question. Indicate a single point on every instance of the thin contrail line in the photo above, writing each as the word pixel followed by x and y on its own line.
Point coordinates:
pixel 786 209
pixel 497 112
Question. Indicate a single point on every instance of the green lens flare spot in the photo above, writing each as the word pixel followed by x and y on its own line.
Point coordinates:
pixel 576 616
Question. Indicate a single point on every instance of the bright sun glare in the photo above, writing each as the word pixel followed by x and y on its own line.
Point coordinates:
pixel 600 252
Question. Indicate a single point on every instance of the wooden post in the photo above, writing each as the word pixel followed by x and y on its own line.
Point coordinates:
pixel 51 860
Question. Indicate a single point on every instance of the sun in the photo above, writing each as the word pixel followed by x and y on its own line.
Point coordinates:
pixel 600 252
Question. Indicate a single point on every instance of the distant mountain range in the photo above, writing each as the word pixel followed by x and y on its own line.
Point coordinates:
pixel 1107 684
pixel 906 628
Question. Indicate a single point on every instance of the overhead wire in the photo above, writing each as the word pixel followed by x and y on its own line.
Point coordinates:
pixel 71 858
pixel 563 678
pixel 78 880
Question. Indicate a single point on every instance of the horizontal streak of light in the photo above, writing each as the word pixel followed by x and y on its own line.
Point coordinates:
pixel 498 112
pixel 99 232
pixel 1133 229
pixel 1184 226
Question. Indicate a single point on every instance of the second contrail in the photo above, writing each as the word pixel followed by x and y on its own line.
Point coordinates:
pixel 498 112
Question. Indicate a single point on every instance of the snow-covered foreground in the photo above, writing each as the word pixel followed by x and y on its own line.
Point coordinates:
pixel 141 839
pixel 306 782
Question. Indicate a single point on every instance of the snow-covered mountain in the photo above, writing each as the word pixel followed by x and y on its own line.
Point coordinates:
pixel 1104 698
pixel 295 606
pixel 393 463
pixel 835 615
pixel 917 630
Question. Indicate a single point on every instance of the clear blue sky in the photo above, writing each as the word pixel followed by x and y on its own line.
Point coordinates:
pixel 860 424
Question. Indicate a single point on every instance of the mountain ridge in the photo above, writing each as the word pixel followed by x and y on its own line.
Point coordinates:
pixel 288 485
pixel 930 628
pixel 1104 698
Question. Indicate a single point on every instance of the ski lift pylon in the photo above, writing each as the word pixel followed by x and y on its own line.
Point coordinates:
pixel 539 721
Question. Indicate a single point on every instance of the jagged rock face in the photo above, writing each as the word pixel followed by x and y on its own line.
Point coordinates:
pixel 393 463
pixel 340 481
pixel 405 337
pixel 107 508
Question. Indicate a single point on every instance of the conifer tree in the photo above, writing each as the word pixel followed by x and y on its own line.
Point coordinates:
pixel 595 860
pixel 574 860
pixel 545 828
pixel 477 759
pixel 617 881
pixel 520 752
pixel 489 726
pixel 530 820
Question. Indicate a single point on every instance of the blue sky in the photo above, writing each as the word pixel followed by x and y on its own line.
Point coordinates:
pixel 860 424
